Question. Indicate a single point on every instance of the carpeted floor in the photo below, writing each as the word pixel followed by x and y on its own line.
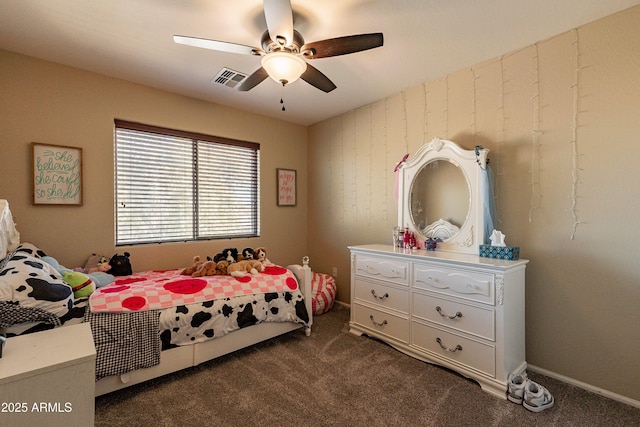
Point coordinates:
pixel 334 378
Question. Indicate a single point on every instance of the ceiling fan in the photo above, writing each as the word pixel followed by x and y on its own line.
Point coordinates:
pixel 284 51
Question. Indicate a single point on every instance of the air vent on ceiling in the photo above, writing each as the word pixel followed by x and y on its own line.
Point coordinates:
pixel 228 77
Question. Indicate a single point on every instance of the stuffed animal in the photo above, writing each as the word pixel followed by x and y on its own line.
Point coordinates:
pixel 247 253
pixel 97 263
pixel 194 267
pixel 208 268
pixel 244 267
pixel 121 265
pixel 261 255
pixel 222 267
pixel 99 278
pixel 81 285
pixel 228 254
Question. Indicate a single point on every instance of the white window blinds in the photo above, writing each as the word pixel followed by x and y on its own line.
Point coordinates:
pixel 179 186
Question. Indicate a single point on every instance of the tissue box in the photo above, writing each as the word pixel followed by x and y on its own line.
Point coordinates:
pixel 510 253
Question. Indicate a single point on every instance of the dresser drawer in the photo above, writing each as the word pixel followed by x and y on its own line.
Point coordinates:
pixel 383 295
pixel 394 326
pixel 475 354
pixel 382 268
pixel 466 284
pixel 478 321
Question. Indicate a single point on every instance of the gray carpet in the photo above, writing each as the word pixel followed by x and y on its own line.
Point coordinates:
pixel 334 378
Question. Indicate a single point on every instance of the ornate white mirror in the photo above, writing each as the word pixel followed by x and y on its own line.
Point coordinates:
pixel 440 195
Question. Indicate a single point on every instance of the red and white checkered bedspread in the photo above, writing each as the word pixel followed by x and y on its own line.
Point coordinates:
pixel 152 290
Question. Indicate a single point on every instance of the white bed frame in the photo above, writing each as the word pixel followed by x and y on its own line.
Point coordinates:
pixel 178 358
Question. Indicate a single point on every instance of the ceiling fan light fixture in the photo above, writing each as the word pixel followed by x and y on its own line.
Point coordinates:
pixel 283 67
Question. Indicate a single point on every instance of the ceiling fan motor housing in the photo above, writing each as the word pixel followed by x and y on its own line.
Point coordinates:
pixel 268 45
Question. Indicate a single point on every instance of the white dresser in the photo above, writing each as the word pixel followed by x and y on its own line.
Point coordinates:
pixel 48 378
pixel 460 311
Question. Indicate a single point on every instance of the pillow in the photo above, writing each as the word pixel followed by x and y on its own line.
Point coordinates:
pixel 31 249
pixel 31 288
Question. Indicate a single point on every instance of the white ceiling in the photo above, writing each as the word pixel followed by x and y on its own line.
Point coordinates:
pixel 423 40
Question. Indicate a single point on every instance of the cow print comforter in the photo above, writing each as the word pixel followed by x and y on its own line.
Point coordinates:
pixel 189 324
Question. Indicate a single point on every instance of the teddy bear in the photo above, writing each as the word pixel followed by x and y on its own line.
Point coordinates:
pixel 194 267
pixel 228 254
pixel 261 255
pixel 222 267
pixel 121 264
pixel 81 284
pixel 244 267
pixel 208 268
pixel 247 253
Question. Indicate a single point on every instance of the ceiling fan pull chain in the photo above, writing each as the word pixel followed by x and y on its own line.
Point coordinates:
pixel 282 97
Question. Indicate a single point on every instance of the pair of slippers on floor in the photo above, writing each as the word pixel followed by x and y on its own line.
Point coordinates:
pixel 529 394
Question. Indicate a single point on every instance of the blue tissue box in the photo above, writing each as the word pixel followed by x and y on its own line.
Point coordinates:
pixel 510 253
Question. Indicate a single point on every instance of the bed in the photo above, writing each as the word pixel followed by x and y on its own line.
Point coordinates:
pixel 151 323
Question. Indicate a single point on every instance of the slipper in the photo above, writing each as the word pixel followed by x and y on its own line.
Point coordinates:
pixel 536 397
pixel 517 383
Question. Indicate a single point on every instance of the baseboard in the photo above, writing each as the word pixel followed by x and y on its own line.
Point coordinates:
pixel 344 304
pixel 585 386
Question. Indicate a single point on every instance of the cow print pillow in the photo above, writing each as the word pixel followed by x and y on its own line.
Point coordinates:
pixel 31 249
pixel 29 287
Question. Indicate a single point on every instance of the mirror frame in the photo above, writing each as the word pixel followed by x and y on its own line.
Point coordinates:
pixel 471 163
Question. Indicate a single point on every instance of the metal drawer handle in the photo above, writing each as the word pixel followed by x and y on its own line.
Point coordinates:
pixel 439 310
pixel 373 292
pixel 452 350
pixel 384 322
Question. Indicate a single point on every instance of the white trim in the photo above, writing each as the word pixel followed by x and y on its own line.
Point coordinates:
pixel 344 304
pixel 597 390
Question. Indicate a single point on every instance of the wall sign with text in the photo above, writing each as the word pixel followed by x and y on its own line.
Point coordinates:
pixel 57 174
pixel 286 187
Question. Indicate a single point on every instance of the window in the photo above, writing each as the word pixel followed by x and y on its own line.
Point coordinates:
pixel 179 186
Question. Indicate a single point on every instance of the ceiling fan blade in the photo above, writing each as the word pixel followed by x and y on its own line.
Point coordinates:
pixel 279 17
pixel 217 45
pixel 315 78
pixel 253 80
pixel 342 45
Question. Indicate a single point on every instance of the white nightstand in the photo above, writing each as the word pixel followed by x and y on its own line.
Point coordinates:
pixel 48 378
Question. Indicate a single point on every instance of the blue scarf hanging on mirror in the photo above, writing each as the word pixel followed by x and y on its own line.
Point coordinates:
pixel 489 207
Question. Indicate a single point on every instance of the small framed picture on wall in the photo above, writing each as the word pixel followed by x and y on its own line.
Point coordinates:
pixel 57 174
pixel 286 187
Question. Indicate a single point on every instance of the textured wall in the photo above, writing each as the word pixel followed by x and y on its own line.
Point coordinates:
pixel 561 120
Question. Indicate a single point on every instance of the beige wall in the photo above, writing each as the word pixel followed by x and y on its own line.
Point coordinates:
pixel 54 104
pixel 567 195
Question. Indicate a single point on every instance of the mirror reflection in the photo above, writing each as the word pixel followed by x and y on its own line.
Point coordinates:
pixel 439 199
